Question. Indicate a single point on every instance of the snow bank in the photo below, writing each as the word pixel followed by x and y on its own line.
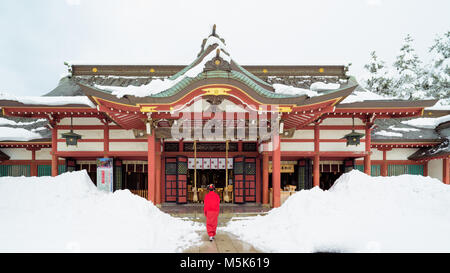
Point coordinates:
pixel 67 213
pixel 406 213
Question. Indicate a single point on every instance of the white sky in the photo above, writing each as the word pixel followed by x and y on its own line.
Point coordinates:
pixel 38 36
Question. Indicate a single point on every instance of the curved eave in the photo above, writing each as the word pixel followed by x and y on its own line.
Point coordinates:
pixel 234 89
pixel 383 108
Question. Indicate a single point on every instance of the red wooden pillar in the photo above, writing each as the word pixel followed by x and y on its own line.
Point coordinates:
pixel 425 168
pixel 384 166
pixel 316 163
pixel 106 141
pixel 151 167
pixel 158 173
pixel 276 171
pixel 258 180
pixel 54 149
pixel 265 179
pixel 240 146
pixel 33 166
pixel 367 165
pixel 446 170
pixel 163 179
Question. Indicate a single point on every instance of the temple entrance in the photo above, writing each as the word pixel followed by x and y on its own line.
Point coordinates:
pixel 206 177
pixel 330 171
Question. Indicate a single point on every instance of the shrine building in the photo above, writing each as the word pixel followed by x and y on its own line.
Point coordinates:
pixel 258 132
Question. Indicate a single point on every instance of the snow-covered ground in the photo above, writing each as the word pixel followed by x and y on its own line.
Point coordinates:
pixel 68 214
pixel 406 213
pixel 359 213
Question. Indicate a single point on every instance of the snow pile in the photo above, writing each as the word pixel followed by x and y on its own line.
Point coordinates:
pixel 406 213
pixel 427 123
pixel 392 127
pixel 68 214
pixel 291 90
pixel 388 134
pixel 54 101
pixel 18 134
pixel 4 121
pixel 358 96
pixel 320 86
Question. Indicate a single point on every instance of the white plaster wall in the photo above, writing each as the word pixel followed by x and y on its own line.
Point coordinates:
pixel 341 121
pixel 399 154
pixel 17 153
pixel 43 154
pixel 81 121
pixel 435 168
pixel 121 134
pixel 85 134
pixel 303 134
pixel 128 146
pixel 340 146
pixel 376 154
pixel 297 146
pixel 82 146
pixel 336 134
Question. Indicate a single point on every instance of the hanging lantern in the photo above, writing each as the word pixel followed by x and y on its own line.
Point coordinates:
pixel 353 138
pixel 71 137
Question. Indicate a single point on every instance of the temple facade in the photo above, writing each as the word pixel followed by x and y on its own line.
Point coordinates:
pixel 259 133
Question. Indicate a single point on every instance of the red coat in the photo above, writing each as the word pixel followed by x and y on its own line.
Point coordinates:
pixel 212 202
pixel 211 210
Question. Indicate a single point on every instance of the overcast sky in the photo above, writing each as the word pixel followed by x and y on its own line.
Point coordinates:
pixel 38 36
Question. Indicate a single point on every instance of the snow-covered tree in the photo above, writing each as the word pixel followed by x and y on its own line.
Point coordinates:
pixel 378 80
pixel 438 71
pixel 408 82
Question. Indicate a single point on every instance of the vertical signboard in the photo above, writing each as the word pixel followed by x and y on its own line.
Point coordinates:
pixel 105 174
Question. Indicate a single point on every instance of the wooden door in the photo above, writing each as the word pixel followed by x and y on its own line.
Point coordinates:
pixel 250 179
pixel 182 169
pixel 239 179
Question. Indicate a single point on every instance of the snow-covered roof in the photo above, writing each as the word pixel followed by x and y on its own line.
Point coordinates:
pixel 47 100
pixel 23 129
pixel 399 129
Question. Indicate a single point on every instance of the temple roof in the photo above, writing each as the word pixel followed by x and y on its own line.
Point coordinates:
pixel 213 61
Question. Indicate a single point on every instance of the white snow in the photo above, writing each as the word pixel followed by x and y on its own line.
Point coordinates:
pixel 427 123
pixel 358 96
pixel 392 127
pixel 407 213
pixel 317 86
pixel 388 134
pixel 291 90
pixel 53 101
pixel 4 121
pixel 68 214
pixel 17 134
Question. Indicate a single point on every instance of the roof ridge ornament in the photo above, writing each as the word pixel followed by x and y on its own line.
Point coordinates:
pixel 214 34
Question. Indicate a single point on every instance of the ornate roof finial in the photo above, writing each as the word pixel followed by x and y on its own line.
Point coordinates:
pixel 214 31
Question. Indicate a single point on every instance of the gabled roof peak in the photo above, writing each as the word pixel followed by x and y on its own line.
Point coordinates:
pixel 213 34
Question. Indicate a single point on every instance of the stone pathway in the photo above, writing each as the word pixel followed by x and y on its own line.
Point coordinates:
pixel 223 243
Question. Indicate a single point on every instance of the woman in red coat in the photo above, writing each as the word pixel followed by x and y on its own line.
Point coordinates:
pixel 211 210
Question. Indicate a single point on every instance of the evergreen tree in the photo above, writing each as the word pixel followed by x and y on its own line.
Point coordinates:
pixel 378 80
pixel 408 82
pixel 438 71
